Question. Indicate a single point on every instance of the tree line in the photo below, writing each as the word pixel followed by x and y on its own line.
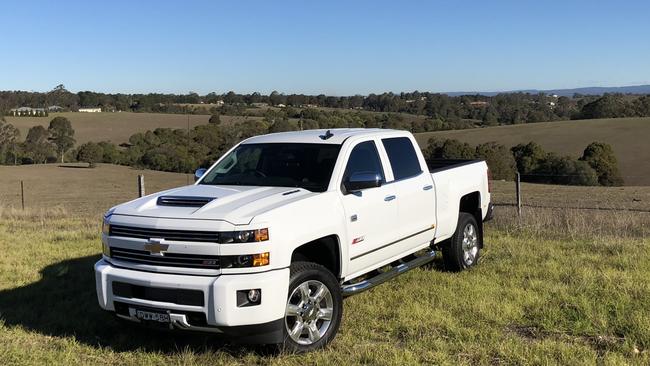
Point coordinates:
pixel 451 111
pixel 175 151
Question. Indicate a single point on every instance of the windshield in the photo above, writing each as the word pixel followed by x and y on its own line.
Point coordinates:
pixel 307 166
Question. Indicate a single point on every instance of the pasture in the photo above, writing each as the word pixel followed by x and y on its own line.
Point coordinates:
pixel 558 286
pixel 115 127
pixel 628 137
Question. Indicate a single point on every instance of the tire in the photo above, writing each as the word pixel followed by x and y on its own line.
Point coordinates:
pixel 462 251
pixel 314 308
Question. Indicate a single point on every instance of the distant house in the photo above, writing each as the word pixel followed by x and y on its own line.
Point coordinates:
pixel 280 105
pixel 90 110
pixel 479 104
pixel 27 111
pixel 54 108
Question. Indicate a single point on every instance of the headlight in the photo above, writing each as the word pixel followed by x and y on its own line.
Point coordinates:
pixel 106 250
pixel 244 236
pixel 106 227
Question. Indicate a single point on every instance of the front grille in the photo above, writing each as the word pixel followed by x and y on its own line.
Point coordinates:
pixel 167 259
pixel 175 296
pixel 184 201
pixel 178 235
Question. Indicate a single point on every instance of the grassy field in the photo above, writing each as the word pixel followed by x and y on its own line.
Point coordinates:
pixel 115 127
pixel 558 286
pixel 628 137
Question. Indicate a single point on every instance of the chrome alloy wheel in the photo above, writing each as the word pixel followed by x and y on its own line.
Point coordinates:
pixel 470 244
pixel 309 312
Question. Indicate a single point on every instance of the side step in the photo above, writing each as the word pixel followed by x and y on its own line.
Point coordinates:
pixel 355 288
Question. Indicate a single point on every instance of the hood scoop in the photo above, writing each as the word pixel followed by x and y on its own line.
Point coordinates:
pixel 184 201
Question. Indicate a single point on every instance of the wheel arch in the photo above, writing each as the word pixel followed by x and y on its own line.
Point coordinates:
pixel 325 251
pixel 471 204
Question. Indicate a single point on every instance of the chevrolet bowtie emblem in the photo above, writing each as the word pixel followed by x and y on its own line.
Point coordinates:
pixel 155 246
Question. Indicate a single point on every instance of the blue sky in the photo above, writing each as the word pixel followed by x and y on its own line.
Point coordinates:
pixel 332 47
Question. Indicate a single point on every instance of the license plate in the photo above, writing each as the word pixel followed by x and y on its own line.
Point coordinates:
pixel 152 316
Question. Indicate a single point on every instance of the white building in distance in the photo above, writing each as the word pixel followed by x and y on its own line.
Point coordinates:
pixel 90 110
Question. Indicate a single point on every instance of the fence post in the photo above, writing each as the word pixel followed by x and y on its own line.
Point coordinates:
pixel 518 189
pixel 140 185
pixel 22 194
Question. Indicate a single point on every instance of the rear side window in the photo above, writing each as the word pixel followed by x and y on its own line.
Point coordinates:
pixel 402 157
pixel 364 159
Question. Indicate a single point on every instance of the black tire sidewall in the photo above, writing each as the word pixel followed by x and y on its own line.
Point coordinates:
pixel 453 254
pixel 305 271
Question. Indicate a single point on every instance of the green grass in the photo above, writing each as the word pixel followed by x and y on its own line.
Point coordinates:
pixel 533 299
pixel 628 137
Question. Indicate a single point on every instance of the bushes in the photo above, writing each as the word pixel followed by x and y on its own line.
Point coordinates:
pixel 600 157
pixel 90 153
pixel 596 166
pixel 498 158
pixel 536 165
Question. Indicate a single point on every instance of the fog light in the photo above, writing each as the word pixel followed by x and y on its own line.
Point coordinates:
pixel 253 296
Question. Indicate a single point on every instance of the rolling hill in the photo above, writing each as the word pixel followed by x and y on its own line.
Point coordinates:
pixel 628 137
pixel 115 127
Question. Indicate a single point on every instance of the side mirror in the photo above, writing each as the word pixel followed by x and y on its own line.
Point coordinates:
pixel 362 180
pixel 199 173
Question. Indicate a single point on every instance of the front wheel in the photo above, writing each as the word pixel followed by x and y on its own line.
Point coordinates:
pixel 314 308
pixel 463 249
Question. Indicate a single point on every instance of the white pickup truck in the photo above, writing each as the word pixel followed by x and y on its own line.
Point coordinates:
pixel 271 238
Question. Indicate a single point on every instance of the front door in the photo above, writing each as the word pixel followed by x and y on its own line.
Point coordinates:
pixel 370 213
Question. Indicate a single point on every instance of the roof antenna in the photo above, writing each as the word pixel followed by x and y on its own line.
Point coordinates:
pixel 327 135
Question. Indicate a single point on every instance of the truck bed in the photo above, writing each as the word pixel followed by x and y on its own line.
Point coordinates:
pixel 437 165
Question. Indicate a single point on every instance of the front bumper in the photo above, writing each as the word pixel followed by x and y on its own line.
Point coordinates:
pixel 218 313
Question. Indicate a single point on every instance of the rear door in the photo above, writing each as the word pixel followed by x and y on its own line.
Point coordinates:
pixel 370 213
pixel 413 186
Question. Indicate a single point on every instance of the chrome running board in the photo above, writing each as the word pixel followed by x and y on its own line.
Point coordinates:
pixel 355 288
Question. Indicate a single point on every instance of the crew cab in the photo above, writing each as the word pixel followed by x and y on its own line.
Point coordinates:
pixel 270 239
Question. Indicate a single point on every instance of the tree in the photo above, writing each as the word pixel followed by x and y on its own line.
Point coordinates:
pixel 8 141
pixel 448 149
pixel 600 156
pixel 498 158
pixel 37 146
pixel 564 170
pixel 110 153
pixel 61 134
pixel 528 157
pixel 90 153
pixel 282 125
pixel 215 119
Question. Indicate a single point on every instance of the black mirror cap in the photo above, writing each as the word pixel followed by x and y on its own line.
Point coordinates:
pixel 362 180
pixel 199 173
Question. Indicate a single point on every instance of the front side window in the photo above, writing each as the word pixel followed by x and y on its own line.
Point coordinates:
pixel 307 166
pixel 364 159
pixel 403 159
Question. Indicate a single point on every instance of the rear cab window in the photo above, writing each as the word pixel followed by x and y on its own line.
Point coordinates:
pixel 403 159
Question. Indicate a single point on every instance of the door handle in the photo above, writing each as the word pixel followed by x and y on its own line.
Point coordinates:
pixel 389 198
pixel 426 188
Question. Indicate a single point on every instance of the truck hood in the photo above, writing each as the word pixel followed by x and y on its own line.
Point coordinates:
pixel 237 205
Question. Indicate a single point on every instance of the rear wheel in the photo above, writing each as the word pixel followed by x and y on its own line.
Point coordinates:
pixel 463 249
pixel 314 308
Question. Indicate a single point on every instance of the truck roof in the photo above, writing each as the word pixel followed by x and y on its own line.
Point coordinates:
pixel 338 135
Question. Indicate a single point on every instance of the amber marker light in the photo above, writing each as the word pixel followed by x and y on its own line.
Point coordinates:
pixel 262 259
pixel 262 235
